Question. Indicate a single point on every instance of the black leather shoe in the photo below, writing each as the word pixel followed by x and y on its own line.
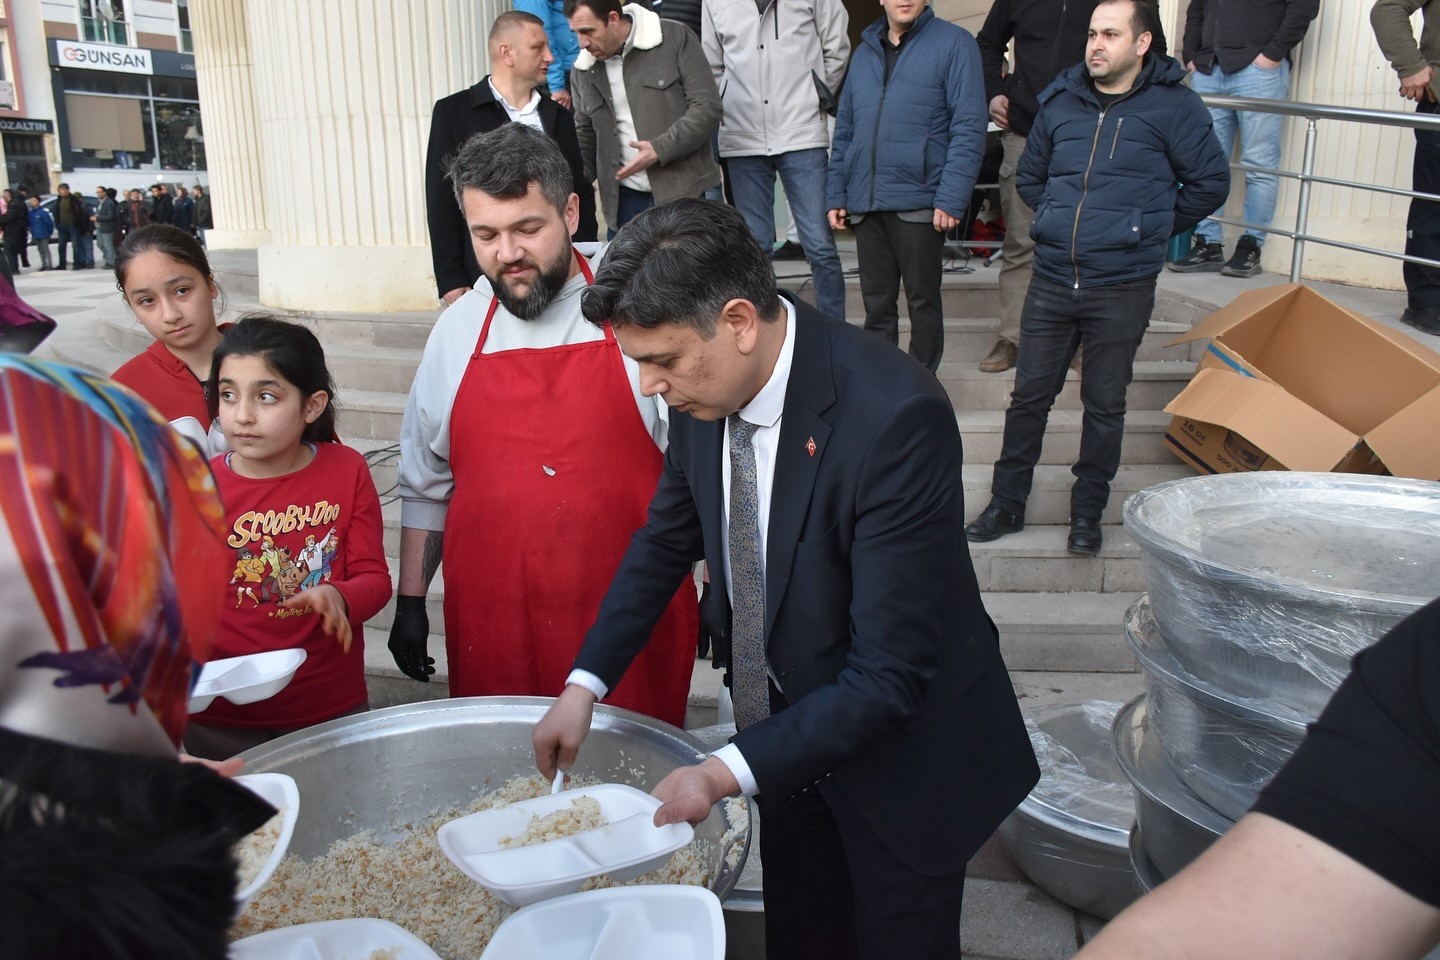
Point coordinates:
pixel 993 524
pixel 1424 319
pixel 1084 536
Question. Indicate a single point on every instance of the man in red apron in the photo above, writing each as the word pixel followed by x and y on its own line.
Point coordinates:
pixel 528 453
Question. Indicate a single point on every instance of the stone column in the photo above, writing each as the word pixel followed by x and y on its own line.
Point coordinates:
pixel 232 137
pixel 344 92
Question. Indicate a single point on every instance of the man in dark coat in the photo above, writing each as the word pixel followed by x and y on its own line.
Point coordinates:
pixel 162 208
pixel 878 730
pixel 519 56
pixel 1121 138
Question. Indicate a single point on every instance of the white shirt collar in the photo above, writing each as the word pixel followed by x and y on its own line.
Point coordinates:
pixel 529 107
pixel 765 409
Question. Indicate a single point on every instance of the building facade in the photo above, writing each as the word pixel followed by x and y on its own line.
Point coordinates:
pixel 99 93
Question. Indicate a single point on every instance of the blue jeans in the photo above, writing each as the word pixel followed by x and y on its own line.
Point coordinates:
pixel 1109 322
pixel 1259 138
pixel 630 205
pixel 752 183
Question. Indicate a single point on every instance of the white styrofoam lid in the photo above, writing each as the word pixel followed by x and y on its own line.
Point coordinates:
pixel 247 679
pixel 333 939
pixel 670 921
pixel 278 790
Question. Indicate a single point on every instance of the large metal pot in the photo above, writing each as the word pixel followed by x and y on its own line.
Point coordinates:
pixel 1147 875
pixel 1071 834
pixel 1224 748
pixel 1175 824
pixel 376 770
pixel 745 906
pixel 1267 583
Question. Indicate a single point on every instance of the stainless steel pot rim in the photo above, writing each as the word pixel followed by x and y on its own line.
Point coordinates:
pixel 1158 661
pixel 1058 821
pixel 1283 487
pixel 1145 765
pixel 1145 870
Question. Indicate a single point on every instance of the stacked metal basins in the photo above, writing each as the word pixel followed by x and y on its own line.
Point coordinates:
pixel 1262 586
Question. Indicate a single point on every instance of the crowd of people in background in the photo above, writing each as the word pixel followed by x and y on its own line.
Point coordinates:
pixel 78 226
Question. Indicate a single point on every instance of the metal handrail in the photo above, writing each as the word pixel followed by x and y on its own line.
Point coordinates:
pixel 1312 113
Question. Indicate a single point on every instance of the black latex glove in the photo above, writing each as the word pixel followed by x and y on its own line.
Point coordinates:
pixel 408 636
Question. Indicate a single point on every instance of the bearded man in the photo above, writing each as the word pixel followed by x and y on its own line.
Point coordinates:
pixel 528 452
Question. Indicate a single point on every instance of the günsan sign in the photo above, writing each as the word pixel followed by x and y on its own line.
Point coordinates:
pixel 100 56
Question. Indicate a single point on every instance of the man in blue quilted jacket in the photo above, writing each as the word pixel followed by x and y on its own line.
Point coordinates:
pixel 1121 158
pixel 909 138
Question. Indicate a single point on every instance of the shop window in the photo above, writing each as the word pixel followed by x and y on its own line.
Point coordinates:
pixel 174 88
pixel 109 132
pixel 94 81
pixel 182 141
pixel 104 21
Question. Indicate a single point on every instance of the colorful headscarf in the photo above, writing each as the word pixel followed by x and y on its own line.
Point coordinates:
pixel 110 536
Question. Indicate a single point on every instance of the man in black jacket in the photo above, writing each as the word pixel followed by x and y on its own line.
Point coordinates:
pixel 1121 138
pixel 1049 36
pixel 519 56
pixel 162 208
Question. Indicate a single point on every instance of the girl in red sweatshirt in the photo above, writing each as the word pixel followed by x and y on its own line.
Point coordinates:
pixel 164 276
pixel 303 529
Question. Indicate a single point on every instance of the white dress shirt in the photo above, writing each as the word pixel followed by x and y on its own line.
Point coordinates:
pixel 624 117
pixel 529 114
pixel 766 411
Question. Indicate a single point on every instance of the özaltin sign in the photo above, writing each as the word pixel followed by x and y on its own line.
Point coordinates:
pixel 99 56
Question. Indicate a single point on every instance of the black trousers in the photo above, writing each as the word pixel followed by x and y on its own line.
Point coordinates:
pixel 1109 322
pixel 1422 226
pixel 891 249
pixel 833 890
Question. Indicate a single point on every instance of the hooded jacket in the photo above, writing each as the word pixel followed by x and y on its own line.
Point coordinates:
pixel 763 61
pixel 673 103
pixel 1106 185
pixel 915 140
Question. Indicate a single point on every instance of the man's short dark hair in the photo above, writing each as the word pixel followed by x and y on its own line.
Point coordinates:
pixel 510 21
pixel 1144 17
pixel 601 8
pixel 680 263
pixel 504 162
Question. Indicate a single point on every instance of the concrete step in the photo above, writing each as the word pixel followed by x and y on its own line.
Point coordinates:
pixel 983 432
pixel 970 339
pixel 1035 561
pixel 1050 493
pixel 1062 631
pixel 1155 383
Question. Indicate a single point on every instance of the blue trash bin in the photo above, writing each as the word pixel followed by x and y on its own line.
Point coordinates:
pixel 1180 245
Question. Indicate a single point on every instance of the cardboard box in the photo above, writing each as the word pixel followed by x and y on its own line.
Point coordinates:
pixel 1292 381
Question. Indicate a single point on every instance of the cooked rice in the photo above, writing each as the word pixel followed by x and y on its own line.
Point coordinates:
pixel 254 850
pixel 410 882
pixel 582 814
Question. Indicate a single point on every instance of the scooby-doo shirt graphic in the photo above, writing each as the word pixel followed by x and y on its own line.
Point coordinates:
pixel 285 535
pixel 279 553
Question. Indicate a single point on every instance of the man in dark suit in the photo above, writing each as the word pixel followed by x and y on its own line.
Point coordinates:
pixel 519 54
pixel 878 730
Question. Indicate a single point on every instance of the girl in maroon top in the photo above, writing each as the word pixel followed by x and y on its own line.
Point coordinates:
pixel 164 276
pixel 303 530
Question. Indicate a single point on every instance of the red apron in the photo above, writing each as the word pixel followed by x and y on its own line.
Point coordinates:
pixel 554 470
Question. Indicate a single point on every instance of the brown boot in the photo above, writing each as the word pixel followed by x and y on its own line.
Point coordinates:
pixel 1000 358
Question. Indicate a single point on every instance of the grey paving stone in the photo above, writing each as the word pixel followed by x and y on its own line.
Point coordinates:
pixel 1015 921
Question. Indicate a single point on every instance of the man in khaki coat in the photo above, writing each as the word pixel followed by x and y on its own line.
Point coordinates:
pixel 646 107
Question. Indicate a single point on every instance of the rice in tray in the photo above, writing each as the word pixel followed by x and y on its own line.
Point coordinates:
pixel 254 850
pixel 582 814
pixel 410 882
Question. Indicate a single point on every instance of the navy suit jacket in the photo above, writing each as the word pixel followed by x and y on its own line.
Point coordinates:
pixel 900 708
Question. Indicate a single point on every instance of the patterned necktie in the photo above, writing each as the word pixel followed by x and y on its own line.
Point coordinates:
pixel 749 687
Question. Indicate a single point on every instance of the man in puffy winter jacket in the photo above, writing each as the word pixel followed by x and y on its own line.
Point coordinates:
pixel 909 139
pixel 1121 158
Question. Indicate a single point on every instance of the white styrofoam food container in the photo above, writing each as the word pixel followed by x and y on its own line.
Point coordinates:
pixel 673 922
pixel 627 846
pixel 278 790
pixel 333 939
pixel 247 679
